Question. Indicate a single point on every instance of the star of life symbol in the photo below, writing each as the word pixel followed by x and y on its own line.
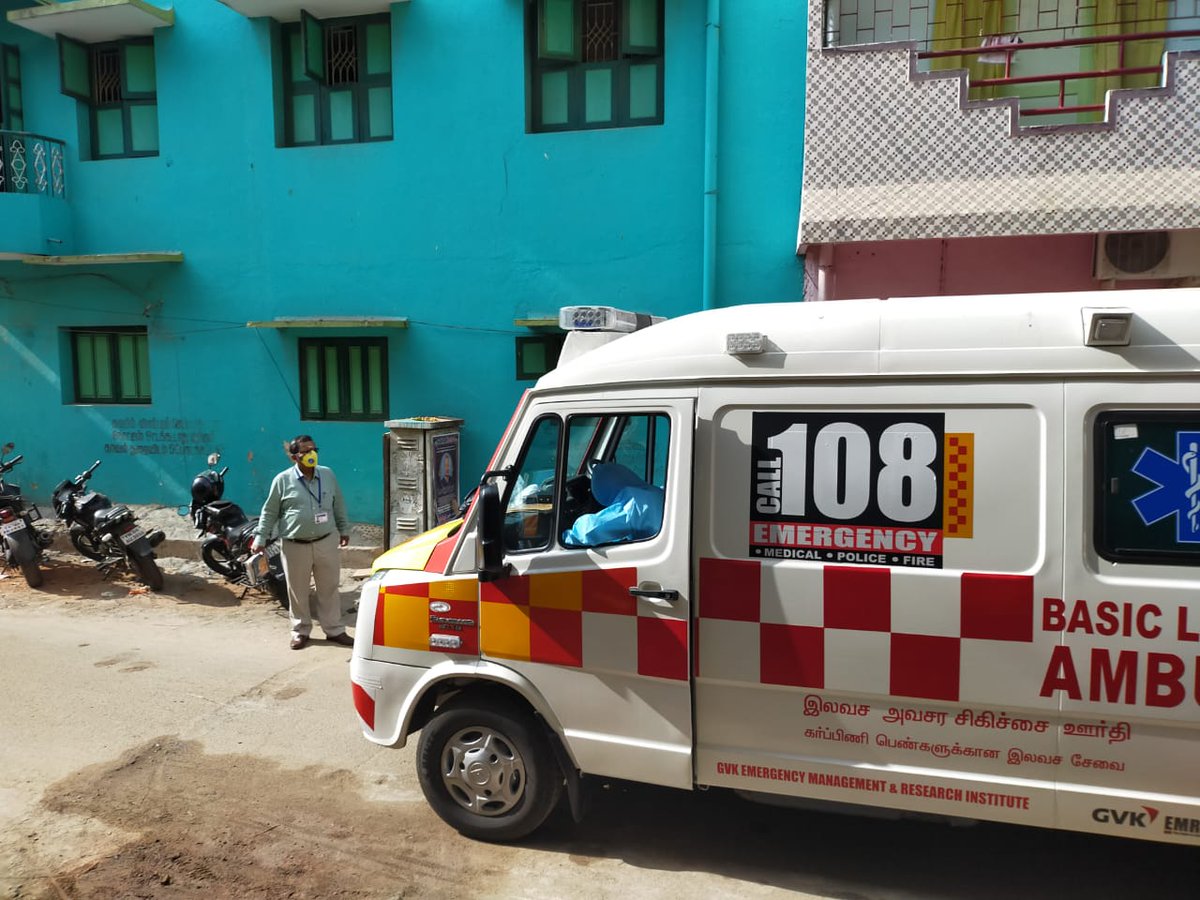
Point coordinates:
pixel 1177 490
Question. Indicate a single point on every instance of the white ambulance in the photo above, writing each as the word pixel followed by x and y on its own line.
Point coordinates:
pixel 938 556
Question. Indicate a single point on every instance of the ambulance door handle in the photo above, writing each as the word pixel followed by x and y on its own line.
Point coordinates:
pixel 653 591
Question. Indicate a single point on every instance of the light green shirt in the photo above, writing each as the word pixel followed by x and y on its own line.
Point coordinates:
pixel 294 503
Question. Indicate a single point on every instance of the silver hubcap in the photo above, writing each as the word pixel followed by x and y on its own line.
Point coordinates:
pixel 483 771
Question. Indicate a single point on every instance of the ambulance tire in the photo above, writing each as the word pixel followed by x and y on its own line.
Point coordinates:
pixel 488 772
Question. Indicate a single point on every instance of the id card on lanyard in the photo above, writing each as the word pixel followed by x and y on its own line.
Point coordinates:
pixel 320 517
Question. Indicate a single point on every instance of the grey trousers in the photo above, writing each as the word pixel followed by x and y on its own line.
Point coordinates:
pixel 319 561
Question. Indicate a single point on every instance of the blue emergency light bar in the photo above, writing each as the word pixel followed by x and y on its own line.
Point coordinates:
pixel 603 318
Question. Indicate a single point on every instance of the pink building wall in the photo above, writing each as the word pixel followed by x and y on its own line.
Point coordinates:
pixel 999 265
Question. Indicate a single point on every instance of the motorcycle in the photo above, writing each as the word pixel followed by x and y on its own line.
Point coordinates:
pixel 21 544
pixel 108 534
pixel 227 551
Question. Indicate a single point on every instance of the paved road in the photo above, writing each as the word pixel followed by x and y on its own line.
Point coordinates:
pixel 164 743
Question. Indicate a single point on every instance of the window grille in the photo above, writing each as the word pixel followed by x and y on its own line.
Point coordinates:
pixel 106 76
pixel 599 30
pixel 341 55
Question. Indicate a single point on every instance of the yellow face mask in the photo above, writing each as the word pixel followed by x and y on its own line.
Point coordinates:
pixel 309 459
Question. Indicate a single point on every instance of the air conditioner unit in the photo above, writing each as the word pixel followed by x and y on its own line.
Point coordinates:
pixel 1148 254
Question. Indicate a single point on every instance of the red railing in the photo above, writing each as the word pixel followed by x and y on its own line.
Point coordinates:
pixel 1061 77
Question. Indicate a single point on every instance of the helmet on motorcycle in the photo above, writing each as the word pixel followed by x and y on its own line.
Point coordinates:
pixel 206 489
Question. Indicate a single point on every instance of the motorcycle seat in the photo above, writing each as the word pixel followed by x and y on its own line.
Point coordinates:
pixel 112 512
pixel 226 513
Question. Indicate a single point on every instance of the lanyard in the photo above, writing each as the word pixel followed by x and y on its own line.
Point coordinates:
pixel 304 484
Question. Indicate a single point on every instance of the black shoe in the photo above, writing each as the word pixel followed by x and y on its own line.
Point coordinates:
pixel 344 639
pixel 299 641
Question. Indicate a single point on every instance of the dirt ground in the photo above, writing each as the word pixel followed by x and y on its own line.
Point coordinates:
pixel 159 745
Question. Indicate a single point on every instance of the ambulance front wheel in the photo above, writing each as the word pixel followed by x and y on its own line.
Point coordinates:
pixel 489 773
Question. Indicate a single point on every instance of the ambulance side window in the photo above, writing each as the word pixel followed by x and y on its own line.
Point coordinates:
pixel 529 508
pixel 1147 490
pixel 614 488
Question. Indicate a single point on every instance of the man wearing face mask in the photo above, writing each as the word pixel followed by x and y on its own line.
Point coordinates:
pixel 306 503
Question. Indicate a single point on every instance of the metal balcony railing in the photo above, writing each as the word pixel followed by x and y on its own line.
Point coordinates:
pixel 31 164
pixel 1058 57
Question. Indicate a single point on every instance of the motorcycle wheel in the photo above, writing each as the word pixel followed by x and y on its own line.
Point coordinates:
pixel 148 571
pixel 87 545
pixel 32 572
pixel 277 588
pixel 218 558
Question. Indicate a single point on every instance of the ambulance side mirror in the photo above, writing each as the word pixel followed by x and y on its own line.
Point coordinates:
pixel 490 535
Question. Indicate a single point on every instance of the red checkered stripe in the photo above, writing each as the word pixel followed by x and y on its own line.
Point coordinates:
pixel 584 620
pixel 856 599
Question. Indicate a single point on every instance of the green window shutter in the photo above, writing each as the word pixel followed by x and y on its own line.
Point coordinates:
pixel 137 69
pixel 295 55
pixel 127 365
pixel 143 366
pixel 379 112
pixel 333 392
pixel 558 30
pixel 74 69
pixel 143 128
pixel 643 91
pixel 597 93
pixel 379 48
pixel 85 367
pixel 311 387
pixel 304 119
pixel 555 93
pixel 102 350
pixel 312 40
pixel 355 378
pixel 109 134
pixel 640 35
pixel 375 380
pixel 341 115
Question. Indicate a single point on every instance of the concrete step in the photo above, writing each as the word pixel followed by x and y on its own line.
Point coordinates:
pixel 183 542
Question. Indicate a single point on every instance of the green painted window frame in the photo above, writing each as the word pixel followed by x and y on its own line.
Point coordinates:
pixel 117 357
pixel 76 66
pixel 304 37
pixel 530 347
pixel 12 114
pixel 554 70
pixel 329 369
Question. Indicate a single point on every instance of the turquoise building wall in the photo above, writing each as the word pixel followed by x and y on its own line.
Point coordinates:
pixel 462 223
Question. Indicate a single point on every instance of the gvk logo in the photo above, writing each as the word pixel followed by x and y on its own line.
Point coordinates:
pixel 1125 817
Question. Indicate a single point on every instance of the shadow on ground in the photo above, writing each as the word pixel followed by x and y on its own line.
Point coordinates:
pixel 241 826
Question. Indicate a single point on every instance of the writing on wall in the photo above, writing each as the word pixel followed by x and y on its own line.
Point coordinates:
pixel 160 436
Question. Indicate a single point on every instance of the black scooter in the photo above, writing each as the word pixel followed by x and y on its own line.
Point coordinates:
pixel 227 552
pixel 21 544
pixel 108 534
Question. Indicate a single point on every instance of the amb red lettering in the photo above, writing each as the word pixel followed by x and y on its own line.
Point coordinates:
pixel 1112 677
